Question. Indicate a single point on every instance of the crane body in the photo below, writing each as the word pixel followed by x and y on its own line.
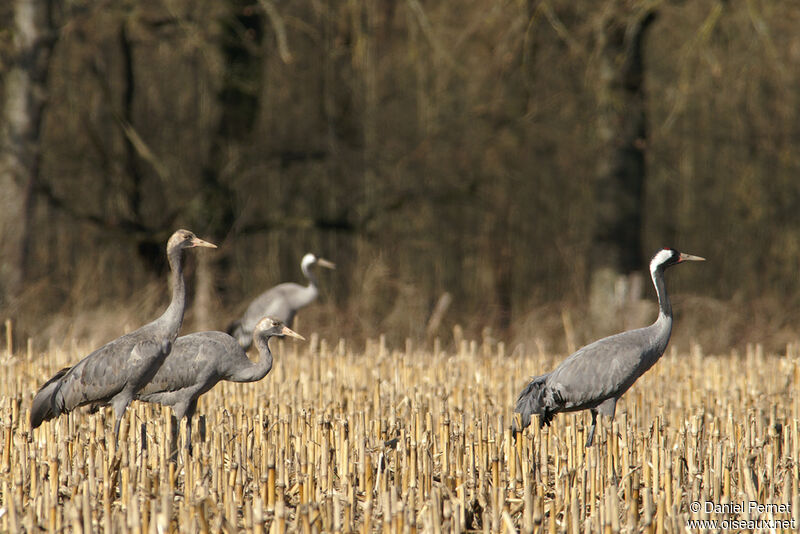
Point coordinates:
pixel 199 361
pixel 281 302
pixel 114 373
pixel 597 375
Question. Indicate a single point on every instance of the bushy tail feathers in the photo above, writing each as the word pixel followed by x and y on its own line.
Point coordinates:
pixel 43 407
pixel 531 401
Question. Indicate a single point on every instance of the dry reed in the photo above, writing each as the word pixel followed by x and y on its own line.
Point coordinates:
pixel 376 440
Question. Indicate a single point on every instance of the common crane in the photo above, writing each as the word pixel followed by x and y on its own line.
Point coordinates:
pixel 114 373
pixel 282 301
pixel 595 377
pixel 201 360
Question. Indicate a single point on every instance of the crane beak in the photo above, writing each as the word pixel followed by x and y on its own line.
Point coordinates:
pixel 689 257
pixel 197 242
pixel 322 262
pixel 291 333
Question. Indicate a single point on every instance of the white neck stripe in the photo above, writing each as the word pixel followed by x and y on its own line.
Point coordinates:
pixel 660 259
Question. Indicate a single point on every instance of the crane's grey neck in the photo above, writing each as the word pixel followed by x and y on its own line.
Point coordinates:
pixel 664 306
pixel 172 319
pixel 312 278
pixel 262 367
pixel 661 330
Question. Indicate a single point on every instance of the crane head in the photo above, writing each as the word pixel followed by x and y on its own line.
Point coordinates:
pixel 186 239
pixel 312 259
pixel 669 256
pixel 272 327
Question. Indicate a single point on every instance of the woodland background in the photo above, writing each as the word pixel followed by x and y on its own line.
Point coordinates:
pixel 526 157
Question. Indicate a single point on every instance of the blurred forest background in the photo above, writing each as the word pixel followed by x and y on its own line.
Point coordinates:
pixel 526 157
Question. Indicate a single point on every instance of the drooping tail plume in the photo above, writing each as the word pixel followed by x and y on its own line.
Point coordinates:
pixel 43 406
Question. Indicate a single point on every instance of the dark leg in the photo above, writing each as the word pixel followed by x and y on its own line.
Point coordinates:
pixel 116 430
pixel 591 430
pixel 189 414
pixel 189 434
pixel 173 441
pixel 120 404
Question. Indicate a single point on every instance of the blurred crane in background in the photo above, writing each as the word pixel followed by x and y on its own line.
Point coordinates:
pixel 282 301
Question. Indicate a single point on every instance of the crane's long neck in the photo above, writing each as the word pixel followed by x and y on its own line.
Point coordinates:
pixel 661 330
pixel 261 368
pixel 664 322
pixel 172 319
pixel 312 278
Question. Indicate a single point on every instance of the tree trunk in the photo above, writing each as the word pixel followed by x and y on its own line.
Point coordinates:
pixel 619 187
pixel 238 98
pixel 20 156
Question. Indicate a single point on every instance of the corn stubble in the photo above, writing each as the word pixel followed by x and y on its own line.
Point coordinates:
pixel 374 440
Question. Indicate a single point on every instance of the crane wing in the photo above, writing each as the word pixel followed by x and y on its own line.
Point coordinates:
pixel 193 362
pixel 107 371
pixel 280 302
pixel 599 371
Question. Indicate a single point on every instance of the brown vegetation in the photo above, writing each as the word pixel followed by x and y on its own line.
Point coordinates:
pixel 338 439
pixel 475 150
pixel 425 148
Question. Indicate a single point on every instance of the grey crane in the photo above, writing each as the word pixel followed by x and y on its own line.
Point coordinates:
pixel 595 376
pixel 199 361
pixel 282 301
pixel 114 373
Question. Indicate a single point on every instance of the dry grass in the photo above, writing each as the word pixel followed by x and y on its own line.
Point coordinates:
pixel 306 448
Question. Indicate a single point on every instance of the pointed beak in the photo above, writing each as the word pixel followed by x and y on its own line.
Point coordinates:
pixel 689 257
pixel 291 333
pixel 197 242
pixel 322 262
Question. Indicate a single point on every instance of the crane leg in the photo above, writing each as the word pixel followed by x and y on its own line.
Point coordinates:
pixel 118 413
pixel 116 430
pixel 189 434
pixel 120 404
pixel 189 414
pixel 592 429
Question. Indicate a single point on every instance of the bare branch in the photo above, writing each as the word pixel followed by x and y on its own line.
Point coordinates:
pixel 561 30
pixel 427 29
pixel 143 149
pixel 280 30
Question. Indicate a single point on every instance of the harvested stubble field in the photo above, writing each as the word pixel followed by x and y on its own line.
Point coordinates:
pixel 342 440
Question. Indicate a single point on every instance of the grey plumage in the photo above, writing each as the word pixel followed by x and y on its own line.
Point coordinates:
pixel 199 361
pixel 281 302
pixel 596 376
pixel 114 373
